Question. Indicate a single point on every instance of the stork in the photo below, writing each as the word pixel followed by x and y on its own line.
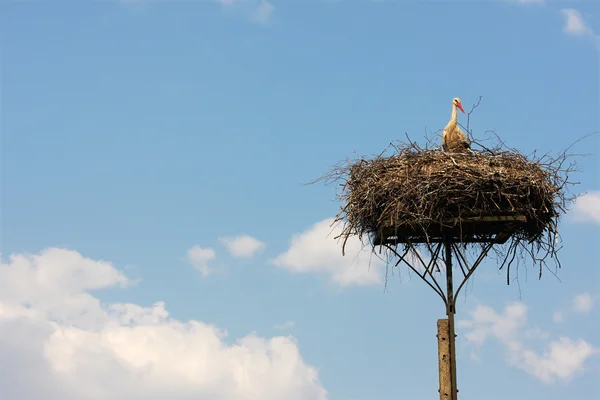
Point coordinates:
pixel 453 138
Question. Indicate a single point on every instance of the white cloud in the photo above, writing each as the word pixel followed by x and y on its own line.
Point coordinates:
pixel 259 11
pixel 285 325
pixel 587 208
pixel 243 246
pixel 316 251
pixel 574 23
pixel 583 303
pixel 562 359
pixel 57 282
pixel 200 259
pixel 54 333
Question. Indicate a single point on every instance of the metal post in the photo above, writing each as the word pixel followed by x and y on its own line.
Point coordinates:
pixel 450 312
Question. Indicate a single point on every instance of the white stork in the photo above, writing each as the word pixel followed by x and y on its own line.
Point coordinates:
pixel 453 138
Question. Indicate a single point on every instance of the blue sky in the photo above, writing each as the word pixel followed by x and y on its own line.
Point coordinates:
pixel 154 156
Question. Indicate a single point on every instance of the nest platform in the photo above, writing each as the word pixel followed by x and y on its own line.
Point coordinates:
pixel 481 229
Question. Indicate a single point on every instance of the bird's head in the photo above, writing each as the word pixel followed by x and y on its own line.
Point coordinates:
pixel 457 103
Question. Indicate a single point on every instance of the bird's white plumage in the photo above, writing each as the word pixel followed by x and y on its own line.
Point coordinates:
pixel 453 138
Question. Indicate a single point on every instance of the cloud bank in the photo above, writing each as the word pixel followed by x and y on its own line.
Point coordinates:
pixel 56 334
pixel 561 360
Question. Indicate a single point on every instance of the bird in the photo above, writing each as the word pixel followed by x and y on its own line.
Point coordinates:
pixel 453 138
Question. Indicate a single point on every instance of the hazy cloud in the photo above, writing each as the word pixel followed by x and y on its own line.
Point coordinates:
pixel 583 303
pixel 259 11
pixel 574 23
pixel 285 325
pixel 562 359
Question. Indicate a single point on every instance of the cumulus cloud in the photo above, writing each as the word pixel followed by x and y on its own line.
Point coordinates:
pixel 56 282
pixel 53 332
pixel 587 208
pixel 316 251
pixel 201 258
pixel 561 360
pixel 243 246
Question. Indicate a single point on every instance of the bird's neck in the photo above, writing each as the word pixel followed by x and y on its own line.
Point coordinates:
pixel 452 122
pixel 454 114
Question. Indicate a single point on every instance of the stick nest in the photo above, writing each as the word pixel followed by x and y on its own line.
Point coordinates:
pixel 419 186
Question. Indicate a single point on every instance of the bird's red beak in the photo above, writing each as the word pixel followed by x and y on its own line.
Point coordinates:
pixel 461 109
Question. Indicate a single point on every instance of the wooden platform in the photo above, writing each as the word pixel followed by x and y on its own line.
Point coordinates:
pixel 487 229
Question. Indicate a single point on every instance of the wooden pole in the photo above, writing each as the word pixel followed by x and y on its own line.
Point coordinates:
pixel 443 336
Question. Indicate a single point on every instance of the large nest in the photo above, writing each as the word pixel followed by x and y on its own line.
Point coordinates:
pixel 420 188
pixel 415 189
